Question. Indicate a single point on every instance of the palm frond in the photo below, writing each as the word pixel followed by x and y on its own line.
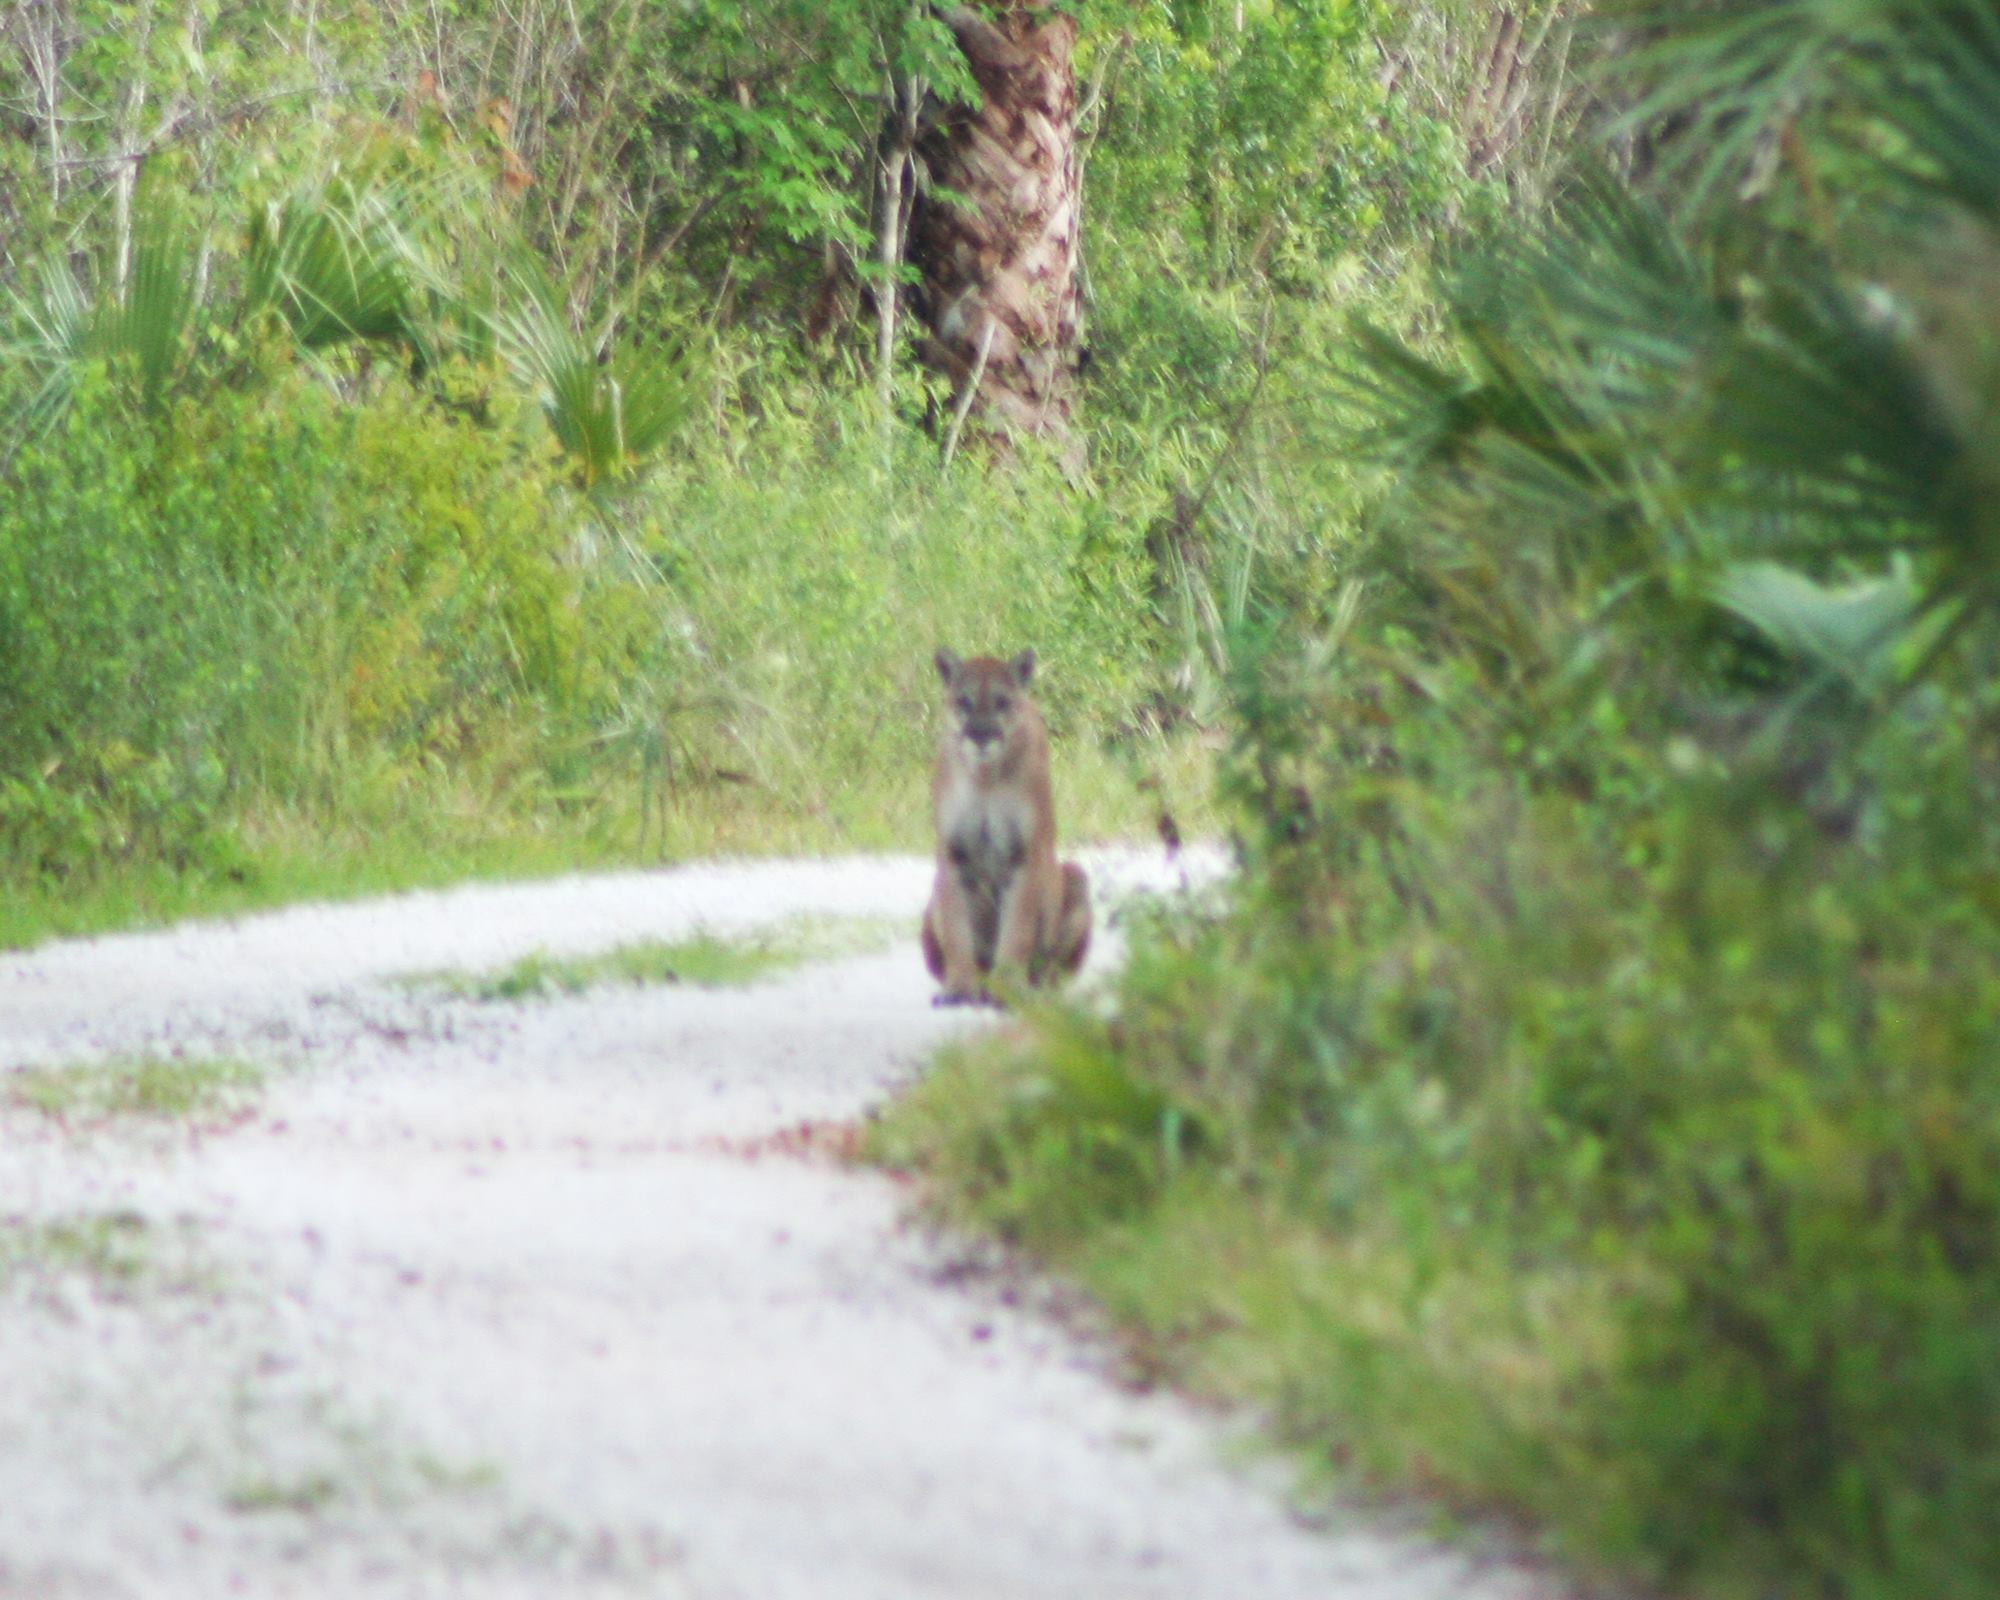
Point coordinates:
pixel 1729 75
pixel 607 413
pixel 1908 89
pixel 1571 358
pixel 336 261
pixel 48 337
pixel 143 331
pixel 1853 629
pixel 149 326
pixel 1944 100
pixel 1823 405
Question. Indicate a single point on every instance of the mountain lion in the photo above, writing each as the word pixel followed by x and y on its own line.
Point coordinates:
pixel 1002 903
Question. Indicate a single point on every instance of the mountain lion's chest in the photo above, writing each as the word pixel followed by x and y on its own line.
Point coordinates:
pixel 986 835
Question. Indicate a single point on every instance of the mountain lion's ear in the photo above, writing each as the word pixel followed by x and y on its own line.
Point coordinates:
pixel 1024 667
pixel 947 665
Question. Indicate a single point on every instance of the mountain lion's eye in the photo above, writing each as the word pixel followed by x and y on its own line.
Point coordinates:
pixel 1001 702
pixel 965 704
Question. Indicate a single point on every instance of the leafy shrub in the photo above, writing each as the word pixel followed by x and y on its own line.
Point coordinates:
pixel 1594 1067
pixel 241 600
pixel 1628 1161
pixel 283 596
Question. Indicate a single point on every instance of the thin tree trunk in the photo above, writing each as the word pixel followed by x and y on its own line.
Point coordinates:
pixel 41 44
pixel 892 225
pixel 888 260
pixel 127 177
pixel 999 264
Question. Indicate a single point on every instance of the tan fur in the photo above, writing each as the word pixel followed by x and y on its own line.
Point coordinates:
pixel 1002 905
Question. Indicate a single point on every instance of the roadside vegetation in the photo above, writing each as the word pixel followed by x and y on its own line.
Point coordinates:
pixel 703 960
pixel 112 1248
pixel 143 1086
pixel 1584 1104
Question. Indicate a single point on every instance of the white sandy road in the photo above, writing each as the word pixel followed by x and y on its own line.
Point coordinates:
pixel 502 1301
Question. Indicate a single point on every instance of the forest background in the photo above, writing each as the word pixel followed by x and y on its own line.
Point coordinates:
pixel 1531 487
pixel 457 437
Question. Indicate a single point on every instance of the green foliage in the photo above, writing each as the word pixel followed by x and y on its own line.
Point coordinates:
pixel 1592 1066
pixel 283 554
pixel 1244 163
pixel 380 253
pixel 1853 630
pixel 1248 142
pixel 1040 1143
pixel 276 612
pixel 337 262
pixel 353 596
pixel 1623 1157
pixel 1893 95
pixel 196 613
pixel 778 109
pixel 59 331
pixel 607 415
pixel 804 595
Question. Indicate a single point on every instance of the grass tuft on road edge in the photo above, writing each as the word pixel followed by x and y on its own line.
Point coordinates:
pixel 1375 1370
pixel 139 1086
pixel 703 960
pixel 110 1247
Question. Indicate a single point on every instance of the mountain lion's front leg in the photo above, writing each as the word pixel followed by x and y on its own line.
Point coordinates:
pixel 948 936
pixel 1021 906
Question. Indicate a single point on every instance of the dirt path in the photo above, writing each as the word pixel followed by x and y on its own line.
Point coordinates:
pixel 510 1300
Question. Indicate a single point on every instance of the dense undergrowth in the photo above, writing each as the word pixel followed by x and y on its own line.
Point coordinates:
pixel 289 627
pixel 1584 1103
pixel 402 475
pixel 375 637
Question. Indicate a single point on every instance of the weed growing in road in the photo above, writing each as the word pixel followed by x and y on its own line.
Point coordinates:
pixel 110 1247
pixel 323 1453
pixel 703 960
pixel 143 1086
pixel 308 1493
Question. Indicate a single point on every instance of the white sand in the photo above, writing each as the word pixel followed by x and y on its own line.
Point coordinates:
pixel 491 1301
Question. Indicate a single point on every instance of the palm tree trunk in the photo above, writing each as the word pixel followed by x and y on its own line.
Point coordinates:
pixel 998 263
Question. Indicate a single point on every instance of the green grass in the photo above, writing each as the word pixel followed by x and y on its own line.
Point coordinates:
pixel 144 1086
pixel 1377 1369
pixel 310 1492
pixel 703 961
pixel 356 1460
pixel 281 856
pixel 111 1247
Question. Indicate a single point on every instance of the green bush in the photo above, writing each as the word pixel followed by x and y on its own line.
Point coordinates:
pixel 255 598
pixel 1636 1170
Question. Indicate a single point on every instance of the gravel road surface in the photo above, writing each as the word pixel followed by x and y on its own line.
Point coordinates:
pixel 539 1299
